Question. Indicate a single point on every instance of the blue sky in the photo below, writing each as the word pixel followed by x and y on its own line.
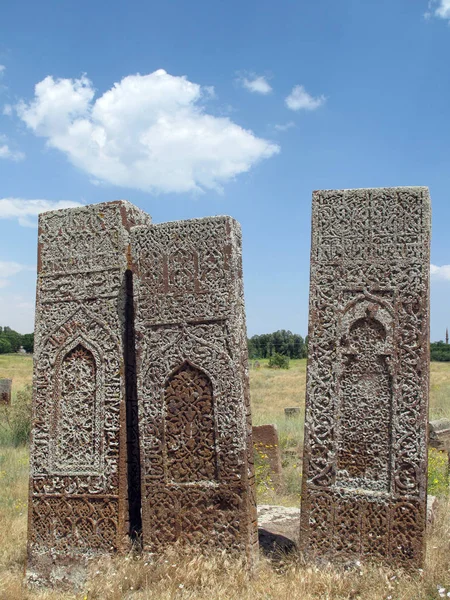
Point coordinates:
pixel 190 109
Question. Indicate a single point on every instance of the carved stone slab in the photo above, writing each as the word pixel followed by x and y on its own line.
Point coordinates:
pixel 194 410
pixel 365 455
pixel 5 391
pixel 78 484
pixel 265 441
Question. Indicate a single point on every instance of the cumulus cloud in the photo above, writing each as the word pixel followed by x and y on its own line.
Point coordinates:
pixel 9 269
pixel 6 152
pixel 26 211
pixel 439 8
pixel 148 132
pixel 256 84
pixel 440 273
pixel 8 110
pixel 299 99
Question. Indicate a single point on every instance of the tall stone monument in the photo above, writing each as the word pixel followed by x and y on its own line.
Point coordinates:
pixel 195 426
pixel 365 455
pixel 78 504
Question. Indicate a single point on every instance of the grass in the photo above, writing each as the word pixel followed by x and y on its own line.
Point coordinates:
pixel 193 577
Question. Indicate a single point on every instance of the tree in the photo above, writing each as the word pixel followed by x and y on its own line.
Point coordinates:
pixel 5 346
pixel 282 342
pixel 28 342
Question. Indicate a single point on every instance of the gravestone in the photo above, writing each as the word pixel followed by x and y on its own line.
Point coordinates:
pixel 5 391
pixel 292 412
pixel 78 504
pixel 365 454
pixel 194 409
pixel 265 442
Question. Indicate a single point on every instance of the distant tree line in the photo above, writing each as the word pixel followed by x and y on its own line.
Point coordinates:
pixel 11 341
pixel 280 342
pixel 440 351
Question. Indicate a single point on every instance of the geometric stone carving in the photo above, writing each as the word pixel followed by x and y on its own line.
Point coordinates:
pixel 192 376
pixel 5 391
pixel 265 441
pixel 365 451
pixel 78 485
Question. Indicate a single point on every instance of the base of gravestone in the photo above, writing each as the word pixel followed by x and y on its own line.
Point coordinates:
pixel 279 527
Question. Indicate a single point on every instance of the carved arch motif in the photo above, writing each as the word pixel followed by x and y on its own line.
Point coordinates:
pixel 365 397
pixel 78 400
pixel 189 426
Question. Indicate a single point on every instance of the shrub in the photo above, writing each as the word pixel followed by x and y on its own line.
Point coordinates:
pixel 279 361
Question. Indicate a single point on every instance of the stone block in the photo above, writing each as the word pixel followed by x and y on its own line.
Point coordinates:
pixel 5 391
pixel 365 453
pixel 292 412
pixel 78 502
pixel 195 425
pixel 265 441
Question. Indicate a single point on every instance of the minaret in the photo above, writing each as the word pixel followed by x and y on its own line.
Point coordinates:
pixel 446 336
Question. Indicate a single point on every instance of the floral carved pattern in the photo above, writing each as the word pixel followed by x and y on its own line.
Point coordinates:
pixel 189 426
pixel 76 443
pixel 365 451
pixel 363 457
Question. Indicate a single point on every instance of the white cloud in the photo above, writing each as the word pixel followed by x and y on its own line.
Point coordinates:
pixel 9 269
pixel 26 211
pixel 6 152
pixel 299 99
pixel 439 8
pixel 2 70
pixel 7 110
pixel 256 84
pixel 148 132
pixel 440 273
pixel 284 126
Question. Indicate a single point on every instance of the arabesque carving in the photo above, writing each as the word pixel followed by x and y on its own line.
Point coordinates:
pixel 365 456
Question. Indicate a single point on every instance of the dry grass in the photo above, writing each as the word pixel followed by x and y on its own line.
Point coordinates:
pixel 184 577
pixel 17 367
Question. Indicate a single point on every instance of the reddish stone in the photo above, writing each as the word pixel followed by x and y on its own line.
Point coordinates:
pixel 5 391
pixel 365 452
pixel 265 441
pixel 195 424
pixel 78 503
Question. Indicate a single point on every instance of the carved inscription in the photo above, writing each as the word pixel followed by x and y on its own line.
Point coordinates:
pixel 365 458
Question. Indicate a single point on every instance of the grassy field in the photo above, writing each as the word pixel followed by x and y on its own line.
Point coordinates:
pixel 222 578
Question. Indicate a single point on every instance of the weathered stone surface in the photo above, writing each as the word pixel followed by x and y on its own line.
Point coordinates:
pixel 365 454
pixel 195 426
pixel 291 412
pixel 265 441
pixel 439 434
pixel 279 526
pixel 5 391
pixel 78 484
pixel 432 506
pixel 280 520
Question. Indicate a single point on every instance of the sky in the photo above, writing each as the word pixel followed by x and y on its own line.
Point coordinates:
pixel 193 109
